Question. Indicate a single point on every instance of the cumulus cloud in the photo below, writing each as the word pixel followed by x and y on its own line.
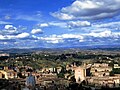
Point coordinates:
pixel 10 27
pixel 2 37
pixel 61 38
pixel 53 23
pixel 62 16
pixel 78 36
pixel 76 24
pixel 52 39
pixel 10 37
pixel 23 35
pixel 58 24
pixel 36 31
pixel 11 33
pixel 43 25
pixel 68 24
pixel 114 24
pixel 96 37
pixel 106 33
pixel 89 9
pixel 9 30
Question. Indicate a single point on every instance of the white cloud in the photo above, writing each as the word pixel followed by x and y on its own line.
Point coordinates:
pixel 52 39
pixel 78 36
pixel 7 37
pixel 23 35
pixel 62 16
pixel 89 9
pixel 34 36
pixel 63 36
pixel 36 31
pixel 2 37
pixel 106 33
pixel 58 24
pixel 75 24
pixel 19 36
pixel 68 24
pixel 5 43
pixel 116 35
pixel 9 30
pixel 43 25
pixel 10 37
pixel 110 24
pixel 10 27
pixel 60 38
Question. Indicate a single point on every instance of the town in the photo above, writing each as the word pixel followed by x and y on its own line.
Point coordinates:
pixel 71 69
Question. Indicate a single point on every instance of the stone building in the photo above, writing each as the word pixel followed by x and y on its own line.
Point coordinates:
pixel 99 75
pixel 8 74
pixel 100 70
pixel 80 74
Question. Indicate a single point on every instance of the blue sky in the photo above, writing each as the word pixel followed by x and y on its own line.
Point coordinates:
pixel 59 23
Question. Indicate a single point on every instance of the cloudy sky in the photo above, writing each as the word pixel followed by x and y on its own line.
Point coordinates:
pixel 59 23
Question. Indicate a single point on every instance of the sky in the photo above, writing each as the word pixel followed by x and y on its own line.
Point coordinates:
pixel 59 23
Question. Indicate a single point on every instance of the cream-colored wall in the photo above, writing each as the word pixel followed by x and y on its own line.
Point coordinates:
pixel 80 73
pixel 5 73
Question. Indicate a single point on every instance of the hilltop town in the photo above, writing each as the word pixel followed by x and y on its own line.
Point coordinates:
pixel 70 69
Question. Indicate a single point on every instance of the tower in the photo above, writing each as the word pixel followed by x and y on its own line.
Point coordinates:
pixel 80 74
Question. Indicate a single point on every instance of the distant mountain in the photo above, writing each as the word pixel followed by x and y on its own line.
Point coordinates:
pixel 106 47
pixel 29 50
pixel 15 50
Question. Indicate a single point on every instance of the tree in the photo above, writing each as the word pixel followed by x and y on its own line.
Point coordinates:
pixel 73 79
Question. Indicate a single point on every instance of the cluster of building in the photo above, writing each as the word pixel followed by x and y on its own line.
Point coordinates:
pixel 7 73
pixel 46 78
pixel 98 74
